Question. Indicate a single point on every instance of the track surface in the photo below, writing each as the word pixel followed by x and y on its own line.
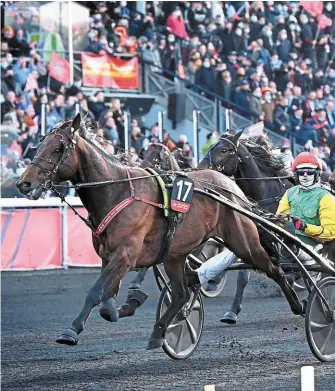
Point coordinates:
pixel 265 351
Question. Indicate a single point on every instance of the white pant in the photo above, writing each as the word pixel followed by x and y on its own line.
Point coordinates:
pixel 216 265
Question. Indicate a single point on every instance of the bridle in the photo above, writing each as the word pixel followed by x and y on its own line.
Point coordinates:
pixel 68 148
pixel 220 167
pixel 157 163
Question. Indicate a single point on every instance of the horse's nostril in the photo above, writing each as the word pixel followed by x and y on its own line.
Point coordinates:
pixel 25 185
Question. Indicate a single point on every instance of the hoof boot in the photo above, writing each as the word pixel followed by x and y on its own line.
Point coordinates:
pixel 229 317
pixel 69 337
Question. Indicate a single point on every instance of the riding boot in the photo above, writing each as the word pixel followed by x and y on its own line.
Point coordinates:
pixel 134 300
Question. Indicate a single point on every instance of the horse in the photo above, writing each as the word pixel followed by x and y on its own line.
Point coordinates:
pixel 138 232
pixel 159 157
pixel 261 176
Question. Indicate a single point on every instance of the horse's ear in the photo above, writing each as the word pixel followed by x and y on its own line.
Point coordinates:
pixel 75 123
pixel 238 135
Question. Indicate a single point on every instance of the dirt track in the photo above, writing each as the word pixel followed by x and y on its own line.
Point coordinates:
pixel 263 352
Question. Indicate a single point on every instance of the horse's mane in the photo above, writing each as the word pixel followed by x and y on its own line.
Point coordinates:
pixel 89 131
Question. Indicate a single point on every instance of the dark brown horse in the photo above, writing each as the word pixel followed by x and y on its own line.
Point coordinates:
pixel 135 236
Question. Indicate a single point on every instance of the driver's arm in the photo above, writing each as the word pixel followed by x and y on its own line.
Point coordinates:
pixel 284 206
pixel 326 230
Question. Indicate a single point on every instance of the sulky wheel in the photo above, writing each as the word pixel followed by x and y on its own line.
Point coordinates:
pixel 183 334
pixel 300 287
pixel 213 289
pixel 320 322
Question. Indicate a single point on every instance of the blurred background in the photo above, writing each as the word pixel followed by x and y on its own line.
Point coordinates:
pixel 123 64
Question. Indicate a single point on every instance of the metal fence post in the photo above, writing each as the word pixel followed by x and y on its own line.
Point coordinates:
pixel 126 130
pixel 43 119
pixel 196 135
pixel 77 108
pixel 65 249
pixel 217 115
pixel 161 125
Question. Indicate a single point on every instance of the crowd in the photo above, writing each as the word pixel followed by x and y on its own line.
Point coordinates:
pixel 268 61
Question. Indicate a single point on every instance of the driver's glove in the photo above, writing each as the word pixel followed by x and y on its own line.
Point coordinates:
pixel 299 224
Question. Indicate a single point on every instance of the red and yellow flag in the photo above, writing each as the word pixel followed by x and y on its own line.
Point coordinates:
pixel 110 72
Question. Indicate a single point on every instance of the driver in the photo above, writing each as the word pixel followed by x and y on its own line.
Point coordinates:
pixel 310 206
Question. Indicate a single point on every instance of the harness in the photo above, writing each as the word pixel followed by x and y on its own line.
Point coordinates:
pixel 120 206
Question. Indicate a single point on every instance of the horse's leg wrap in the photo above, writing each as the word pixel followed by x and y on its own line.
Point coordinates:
pixel 134 300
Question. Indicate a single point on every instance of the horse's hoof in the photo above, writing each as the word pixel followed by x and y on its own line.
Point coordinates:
pixel 155 343
pixel 229 317
pixel 69 337
pixel 126 310
pixel 109 312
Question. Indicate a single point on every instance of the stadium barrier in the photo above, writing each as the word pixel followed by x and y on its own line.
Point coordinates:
pixel 44 234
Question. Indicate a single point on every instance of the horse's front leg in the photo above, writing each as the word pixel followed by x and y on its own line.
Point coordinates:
pixel 93 298
pixel 175 270
pixel 102 291
pixel 108 309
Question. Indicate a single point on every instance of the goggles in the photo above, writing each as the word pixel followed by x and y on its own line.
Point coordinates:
pixel 307 171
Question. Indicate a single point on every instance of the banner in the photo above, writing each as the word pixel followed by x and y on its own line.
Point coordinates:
pixel 324 22
pixel 110 72
pixel 313 7
pixel 26 242
pixel 59 68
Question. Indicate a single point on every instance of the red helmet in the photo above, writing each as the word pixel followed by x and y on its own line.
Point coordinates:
pixel 306 160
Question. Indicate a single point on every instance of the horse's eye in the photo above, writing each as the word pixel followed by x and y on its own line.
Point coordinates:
pixel 223 150
pixel 57 150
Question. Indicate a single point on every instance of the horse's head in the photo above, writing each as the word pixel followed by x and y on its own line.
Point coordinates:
pixel 223 156
pixel 157 155
pixel 332 180
pixel 184 162
pixel 55 160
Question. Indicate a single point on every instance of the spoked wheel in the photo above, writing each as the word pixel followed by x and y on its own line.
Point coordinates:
pixel 320 323
pixel 300 287
pixel 183 334
pixel 213 289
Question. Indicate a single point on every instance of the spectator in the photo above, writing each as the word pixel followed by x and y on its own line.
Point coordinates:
pixel 205 76
pixel 111 132
pixel 330 113
pixel 255 106
pixel 9 105
pixel 57 113
pixel 176 24
pixel 268 108
pixel 242 99
pixel 281 118
pixel 296 121
pixel 309 107
pixel 225 86
pixel 136 139
pixel 286 155
pixel 97 104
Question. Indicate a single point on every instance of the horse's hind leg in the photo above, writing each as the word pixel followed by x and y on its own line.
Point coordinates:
pixel 175 270
pixel 263 262
pixel 230 316
pixel 135 296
